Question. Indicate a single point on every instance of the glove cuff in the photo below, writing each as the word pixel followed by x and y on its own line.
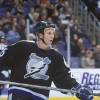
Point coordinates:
pixel 75 88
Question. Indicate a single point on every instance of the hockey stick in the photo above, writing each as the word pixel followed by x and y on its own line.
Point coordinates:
pixel 34 86
pixel 41 87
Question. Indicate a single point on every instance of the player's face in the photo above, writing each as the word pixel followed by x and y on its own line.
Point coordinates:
pixel 49 35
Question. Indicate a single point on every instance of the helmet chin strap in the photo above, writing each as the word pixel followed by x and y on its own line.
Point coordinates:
pixel 45 42
pixel 42 39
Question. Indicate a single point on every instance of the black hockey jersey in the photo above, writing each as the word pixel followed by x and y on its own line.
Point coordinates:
pixel 32 65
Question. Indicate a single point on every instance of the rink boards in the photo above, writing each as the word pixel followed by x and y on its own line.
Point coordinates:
pixel 91 77
pixel 83 76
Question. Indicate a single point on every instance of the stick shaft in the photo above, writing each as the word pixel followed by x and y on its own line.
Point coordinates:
pixel 34 86
pixel 41 87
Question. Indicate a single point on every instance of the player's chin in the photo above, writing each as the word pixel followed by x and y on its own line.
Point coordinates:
pixel 50 43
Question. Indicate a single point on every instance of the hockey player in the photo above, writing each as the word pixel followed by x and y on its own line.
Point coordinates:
pixel 39 64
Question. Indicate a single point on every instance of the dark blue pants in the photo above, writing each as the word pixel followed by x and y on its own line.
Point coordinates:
pixel 23 97
pixel 19 93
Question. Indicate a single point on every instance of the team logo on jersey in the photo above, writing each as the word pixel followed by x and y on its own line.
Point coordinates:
pixel 3 48
pixel 37 67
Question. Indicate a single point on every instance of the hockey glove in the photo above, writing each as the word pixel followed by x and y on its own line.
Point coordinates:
pixel 83 92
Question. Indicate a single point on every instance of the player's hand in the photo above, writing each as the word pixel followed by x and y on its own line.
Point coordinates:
pixel 85 93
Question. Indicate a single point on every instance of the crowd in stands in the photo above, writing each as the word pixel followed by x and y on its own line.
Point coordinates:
pixel 13 27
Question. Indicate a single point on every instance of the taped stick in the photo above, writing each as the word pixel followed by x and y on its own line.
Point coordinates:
pixel 41 87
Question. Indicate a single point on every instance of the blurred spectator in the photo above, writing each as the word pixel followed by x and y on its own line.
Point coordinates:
pixel 87 60
pixel 21 25
pixel 6 27
pixel 97 56
pixel 13 36
pixel 76 46
pixel 31 37
pixel 2 34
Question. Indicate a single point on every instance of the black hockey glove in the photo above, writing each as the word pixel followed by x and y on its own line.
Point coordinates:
pixel 83 92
